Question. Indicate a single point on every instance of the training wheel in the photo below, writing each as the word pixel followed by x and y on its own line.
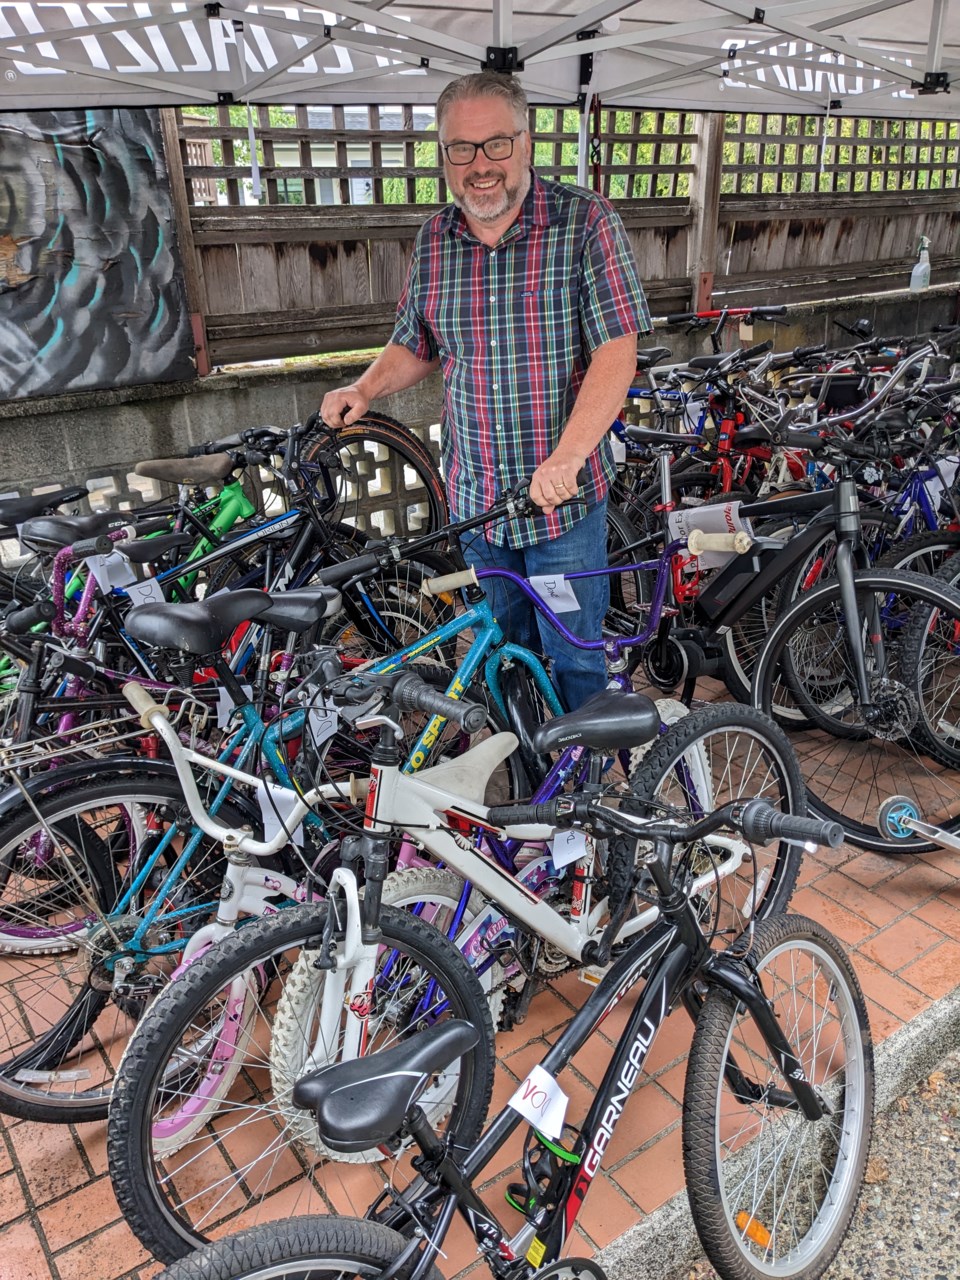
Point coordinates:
pixel 893 815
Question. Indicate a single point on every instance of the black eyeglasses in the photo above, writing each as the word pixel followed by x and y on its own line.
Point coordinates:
pixel 493 149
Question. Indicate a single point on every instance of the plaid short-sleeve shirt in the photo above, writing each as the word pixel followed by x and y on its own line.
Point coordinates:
pixel 514 327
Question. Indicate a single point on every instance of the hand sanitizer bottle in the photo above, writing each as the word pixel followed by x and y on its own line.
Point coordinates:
pixel 920 275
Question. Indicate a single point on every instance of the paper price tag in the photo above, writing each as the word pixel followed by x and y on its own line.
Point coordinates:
pixel 541 1102
pixel 147 592
pixel 111 570
pixel 323 719
pixel 276 806
pixel 225 705
pixel 618 448
pixel 555 591
pixel 567 847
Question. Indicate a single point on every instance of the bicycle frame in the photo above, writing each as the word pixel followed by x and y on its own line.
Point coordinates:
pixel 669 961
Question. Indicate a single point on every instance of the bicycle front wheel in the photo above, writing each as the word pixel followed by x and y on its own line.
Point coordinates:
pixel 709 758
pixel 310 1248
pixel 905 738
pixel 193 1158
pixel 772 1193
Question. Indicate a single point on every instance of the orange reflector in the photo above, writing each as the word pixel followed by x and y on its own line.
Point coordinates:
pixel 753 1229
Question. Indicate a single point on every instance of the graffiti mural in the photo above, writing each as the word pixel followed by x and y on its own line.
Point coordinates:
pixel 91 282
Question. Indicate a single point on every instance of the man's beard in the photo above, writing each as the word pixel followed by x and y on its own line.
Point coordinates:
pixel 483 210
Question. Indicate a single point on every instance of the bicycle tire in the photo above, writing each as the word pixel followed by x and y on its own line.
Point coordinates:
pixel 166 1153
pixel 410 472
pixel 743 1156
pixel 708 758
pixel 58 1013
pixel 435 893
pixel 319 1248
pixel 924 552
pixel 850 766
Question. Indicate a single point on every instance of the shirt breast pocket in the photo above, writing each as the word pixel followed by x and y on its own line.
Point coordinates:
pixel 553 308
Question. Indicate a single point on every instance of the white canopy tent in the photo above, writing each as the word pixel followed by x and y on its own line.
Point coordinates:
pixel 864 57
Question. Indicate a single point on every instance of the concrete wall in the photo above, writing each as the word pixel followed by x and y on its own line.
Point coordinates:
pixel 96 437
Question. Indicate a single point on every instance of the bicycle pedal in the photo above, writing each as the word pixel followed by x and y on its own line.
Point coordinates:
pixel 593 974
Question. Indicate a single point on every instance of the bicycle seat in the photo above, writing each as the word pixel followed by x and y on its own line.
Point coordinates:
pixel 61 531
pixel 652 355
pixel 143 550
pixel 16 510
pixel 302 608
pixel 647 435
pixel 609 720
pixel 198 628
pixel 206 470
pixel 363 1102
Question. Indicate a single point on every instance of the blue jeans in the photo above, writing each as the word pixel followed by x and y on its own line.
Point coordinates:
pixel 577 673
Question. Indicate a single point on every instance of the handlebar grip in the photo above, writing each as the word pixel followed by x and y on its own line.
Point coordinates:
pixel 760 822
pixel 699 542
pixel 751 353
pixel 143 702
pixel 98 546
pixel 682 317
pixel 449 582
pixel 336 574
pixel 801 353
pixel 411 694
pixel 762 312
pixel 521 815
pixel 214 446
pixel 20 622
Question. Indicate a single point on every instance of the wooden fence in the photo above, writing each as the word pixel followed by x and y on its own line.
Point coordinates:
pixel 733 209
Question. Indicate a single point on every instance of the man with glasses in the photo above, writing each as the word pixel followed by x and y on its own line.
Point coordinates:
pixel 525 293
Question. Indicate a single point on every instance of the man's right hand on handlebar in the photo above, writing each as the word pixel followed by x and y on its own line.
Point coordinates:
pixel 344 406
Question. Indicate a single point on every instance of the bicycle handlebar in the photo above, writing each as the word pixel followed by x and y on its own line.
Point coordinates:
pixel 761 313
pixel 23 620
pixel 758 821
pixel 412 694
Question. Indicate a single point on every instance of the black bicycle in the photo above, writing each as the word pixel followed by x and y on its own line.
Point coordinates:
pixel 777 1113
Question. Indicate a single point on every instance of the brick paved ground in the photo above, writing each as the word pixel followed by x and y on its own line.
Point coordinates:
pixel 59 1220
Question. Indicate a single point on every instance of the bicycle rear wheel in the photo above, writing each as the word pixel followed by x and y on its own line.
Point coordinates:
pixel 191 1160
pixel 772 1193
pixel 907 739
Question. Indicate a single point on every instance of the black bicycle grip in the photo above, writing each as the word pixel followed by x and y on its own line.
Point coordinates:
pixel 761 349
pixel 515 815
pixel 336 574
pixel 765 312
pixel 682 317
pixel 760 822
pixel 412 694
pixel 101 545
pixel 801 353
pixel 214 446
pixel 24 620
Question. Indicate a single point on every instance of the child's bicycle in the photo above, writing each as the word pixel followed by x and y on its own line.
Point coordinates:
pixel 777 1115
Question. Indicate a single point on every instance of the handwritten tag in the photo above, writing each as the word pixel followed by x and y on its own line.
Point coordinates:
pixel 225 705
pixel 541 1102
pixel 567 847
pixel 323 719
pixel 111 570
pixel 554 590
pixel 276 806
pixel 147 592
